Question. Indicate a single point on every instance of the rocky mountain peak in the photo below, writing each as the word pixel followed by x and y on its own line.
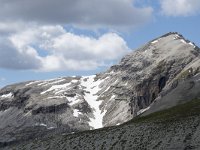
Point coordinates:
pixel 169 44
pixel 169 47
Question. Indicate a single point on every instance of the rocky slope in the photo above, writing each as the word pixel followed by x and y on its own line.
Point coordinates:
pixel 144 80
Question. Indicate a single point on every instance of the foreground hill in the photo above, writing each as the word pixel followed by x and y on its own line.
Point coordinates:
pixel 175 128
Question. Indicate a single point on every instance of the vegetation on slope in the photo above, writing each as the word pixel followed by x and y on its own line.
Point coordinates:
pixel 174 127
pixel 190 108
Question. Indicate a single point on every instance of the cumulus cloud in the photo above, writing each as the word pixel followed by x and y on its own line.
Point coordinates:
pixel 180 7
pixel 12 58
pixel 81 13
pixel 81 52
pixel 52 48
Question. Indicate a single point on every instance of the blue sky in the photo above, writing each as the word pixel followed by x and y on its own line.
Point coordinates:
pixel 47 39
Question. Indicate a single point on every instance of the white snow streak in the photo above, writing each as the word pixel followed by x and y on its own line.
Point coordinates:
pixel 93 87
pixel 183 41
pixel 9 95
pixel 153 42
pixel 142 110
pixel 74 81
pixel 192 44
pixel 41 124
pixel 51 82
pixel 57 88
pixel 49 128
pixel 112 97
pixel 107 89
pixel 34 82
pixel 44 125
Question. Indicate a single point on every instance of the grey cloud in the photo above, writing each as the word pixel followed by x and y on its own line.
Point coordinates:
pixel 10 58
pixel 177 8
pixel 100 13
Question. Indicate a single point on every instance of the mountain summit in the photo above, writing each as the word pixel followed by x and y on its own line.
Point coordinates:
pixel 142 83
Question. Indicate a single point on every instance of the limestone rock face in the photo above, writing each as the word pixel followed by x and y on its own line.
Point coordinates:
pixel 72 104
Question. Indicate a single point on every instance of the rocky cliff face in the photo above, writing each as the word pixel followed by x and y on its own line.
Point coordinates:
pixel 72 104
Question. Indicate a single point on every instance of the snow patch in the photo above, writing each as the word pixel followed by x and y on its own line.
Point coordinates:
pixel 156 41
pixel 192 44
pixel 76 113
pixel 142 110
pixel 34 82
pixel 51 82
pixel 112 97
pixel 92 87
pixel 44 125
pixel 49 128
pixel 153 42
pixel 41 124
pixel 57 88
pixel 74 81
pixel 9 95
pixel 183 41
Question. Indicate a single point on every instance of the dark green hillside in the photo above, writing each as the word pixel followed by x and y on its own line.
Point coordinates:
pixel 174 128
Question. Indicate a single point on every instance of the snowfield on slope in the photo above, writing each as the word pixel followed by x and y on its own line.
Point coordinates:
pixel 58 87
pixel 92 87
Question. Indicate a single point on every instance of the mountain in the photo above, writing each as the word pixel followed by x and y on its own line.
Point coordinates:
pixel 161 74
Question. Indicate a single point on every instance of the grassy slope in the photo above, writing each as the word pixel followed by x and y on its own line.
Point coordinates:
pixel 168 121
pixel 190 108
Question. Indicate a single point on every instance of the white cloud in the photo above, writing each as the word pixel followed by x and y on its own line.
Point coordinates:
pixel 180 7
pixel 106 47
pixel 51 48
